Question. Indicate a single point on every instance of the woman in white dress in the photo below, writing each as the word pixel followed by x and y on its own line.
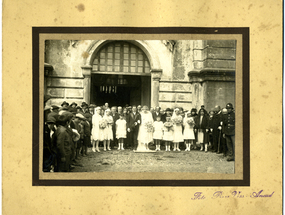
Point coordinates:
pixel 145 130
pixel 108 132
pixel 97 130
pixel 177 129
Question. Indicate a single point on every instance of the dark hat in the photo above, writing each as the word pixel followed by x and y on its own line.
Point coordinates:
pixel 67 114
pixel 62 118
pixel 73 103
pixel 202 106
pixel 54 107
pixel 64 108
pixel 168 109
pixel 84 104
pixel 71 109
pixel 78 107
pixel 50 120
pixel 65 103
pixel 47 97
pixel 229 106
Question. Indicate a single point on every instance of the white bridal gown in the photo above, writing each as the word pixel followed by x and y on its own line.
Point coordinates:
pixel 144 136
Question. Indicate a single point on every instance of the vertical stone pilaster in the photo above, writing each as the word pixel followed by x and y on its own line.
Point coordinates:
pixel 155 78
pixel 86 72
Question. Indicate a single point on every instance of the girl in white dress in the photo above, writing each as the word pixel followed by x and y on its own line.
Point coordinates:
pixel 158 133
pixel 108 130
pixel 121 131
pixel 145 130
pixel 177 129
pixel 168 133
pixel 95 129
pixel 189 135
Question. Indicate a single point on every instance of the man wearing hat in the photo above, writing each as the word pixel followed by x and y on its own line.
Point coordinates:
pixel 72 107
pixel 49 152
pixel 229 131
pixel 54 111
pixel 65 104
pixel 79 109
pixel 91 109
pixel 84 106
pixel 86 136
pixel 79 127
pixel 69 128
pixel 63 144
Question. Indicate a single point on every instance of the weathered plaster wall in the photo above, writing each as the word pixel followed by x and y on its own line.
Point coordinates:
pixel 65 83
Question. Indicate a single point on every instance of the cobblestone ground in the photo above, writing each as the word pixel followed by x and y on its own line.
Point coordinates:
pixel 161 161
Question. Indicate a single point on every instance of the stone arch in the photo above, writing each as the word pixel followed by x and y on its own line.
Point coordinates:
pixel 95 46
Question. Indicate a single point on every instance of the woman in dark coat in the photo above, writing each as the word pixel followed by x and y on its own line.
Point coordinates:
pixel 202 127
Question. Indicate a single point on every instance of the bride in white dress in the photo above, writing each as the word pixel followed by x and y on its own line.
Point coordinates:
pixel 145 132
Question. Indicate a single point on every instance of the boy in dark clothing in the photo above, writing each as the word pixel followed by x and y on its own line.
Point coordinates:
pixel 86 138
pixel 63 144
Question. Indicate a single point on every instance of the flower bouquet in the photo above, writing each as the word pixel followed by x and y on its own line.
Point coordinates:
pixel 168 125
pixel 149 127
pixel 110 121
pixel 102 124
pixel 190 122
pixel 178 120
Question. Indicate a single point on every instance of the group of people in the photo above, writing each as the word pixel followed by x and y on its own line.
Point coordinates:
pixel 71 129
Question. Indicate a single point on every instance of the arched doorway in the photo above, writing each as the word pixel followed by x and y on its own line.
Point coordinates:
pixel 120 75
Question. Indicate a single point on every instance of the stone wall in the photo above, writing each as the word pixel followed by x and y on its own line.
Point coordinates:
pixel 213 75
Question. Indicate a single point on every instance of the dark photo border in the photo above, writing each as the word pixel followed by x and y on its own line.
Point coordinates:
pixel 36 31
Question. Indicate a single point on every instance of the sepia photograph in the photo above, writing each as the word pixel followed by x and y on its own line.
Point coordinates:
pixel 139 105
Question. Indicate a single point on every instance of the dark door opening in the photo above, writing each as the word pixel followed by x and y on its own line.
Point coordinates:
pixel 119 90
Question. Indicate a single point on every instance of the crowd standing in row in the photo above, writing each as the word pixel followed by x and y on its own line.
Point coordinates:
pixel 71 129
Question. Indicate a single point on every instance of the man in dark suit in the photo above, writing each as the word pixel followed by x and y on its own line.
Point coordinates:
pixel 133 122
pixel 166 114
pixel 115 116
pixel 156 113
pixel 229 131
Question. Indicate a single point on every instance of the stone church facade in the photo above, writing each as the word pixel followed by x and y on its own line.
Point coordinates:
pixel 165 73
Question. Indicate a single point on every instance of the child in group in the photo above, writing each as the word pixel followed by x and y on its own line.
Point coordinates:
pixel 168 133
pixel 158 132
pixel 121 131
pixel 108 130
pixel 188 133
